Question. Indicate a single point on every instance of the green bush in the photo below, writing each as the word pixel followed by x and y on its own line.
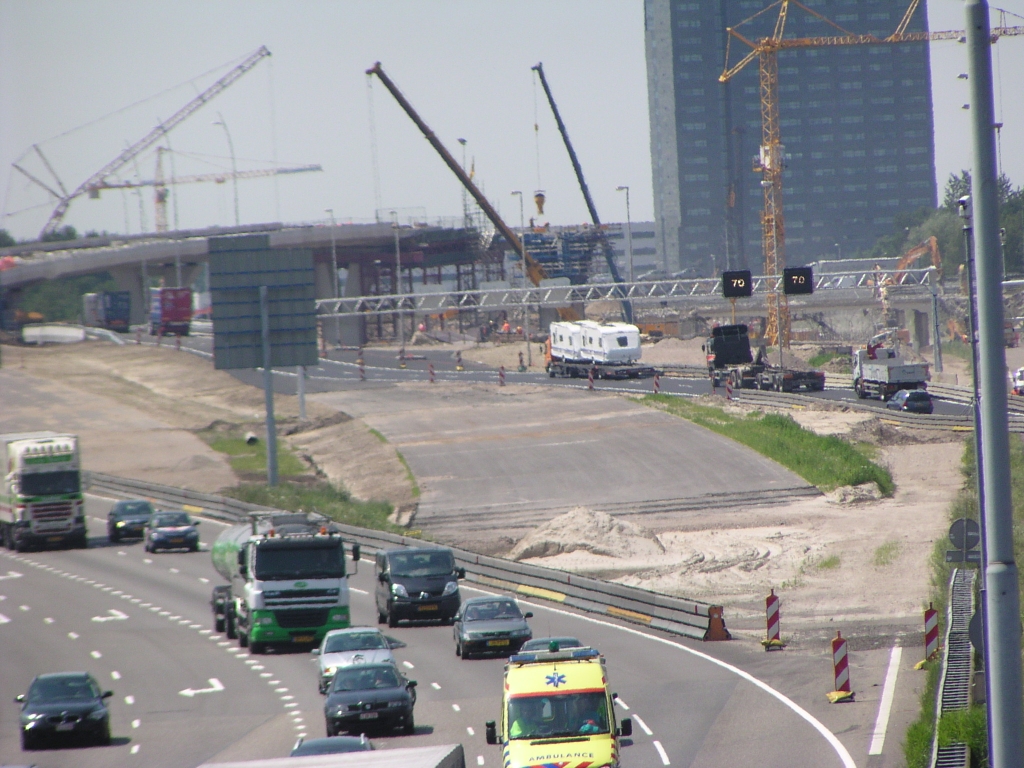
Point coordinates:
pixel 60 300
pixel 319 497
pixel 253 458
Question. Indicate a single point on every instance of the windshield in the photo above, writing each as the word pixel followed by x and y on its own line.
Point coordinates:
pixel 320 562
pixel 567 714
pixel 49 483
pixel 438 563
pixel 171 520
pixel 63 689
pixel 493 609
pixel 365 678
pixel 132 509
pixel 355 641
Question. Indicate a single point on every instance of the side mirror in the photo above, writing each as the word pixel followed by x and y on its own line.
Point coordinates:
pixel 315 651
pixel 615 696
pixel 243 571
pixel 241 557
pixel 491 731
pixel 528 615
pixel 356 551
pixel 460 573
pixel 20 698
pixel 626 727
pixel 411 684
pixel 107 694
pixel 382 577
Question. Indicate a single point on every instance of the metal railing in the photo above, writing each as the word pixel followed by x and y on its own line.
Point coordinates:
pixel 954 693
pixel 679 616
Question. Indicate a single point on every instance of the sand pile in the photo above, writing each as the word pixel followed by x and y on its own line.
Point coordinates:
pixel 674 351
pixel 584 529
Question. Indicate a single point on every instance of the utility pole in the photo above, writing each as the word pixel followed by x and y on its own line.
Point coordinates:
pixel 398 286
pixel 526 307
pixel 335 286
pixel 629 231
pixel 1002 598
pixel 234 168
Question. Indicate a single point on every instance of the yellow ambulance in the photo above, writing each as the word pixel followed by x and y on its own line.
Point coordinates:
pixel 557 710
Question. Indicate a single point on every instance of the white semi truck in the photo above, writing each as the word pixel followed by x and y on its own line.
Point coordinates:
pixel 287 581
pixel 41 500
pixel 609 350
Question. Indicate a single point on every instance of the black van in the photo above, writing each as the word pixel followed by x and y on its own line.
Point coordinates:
pixel 417 585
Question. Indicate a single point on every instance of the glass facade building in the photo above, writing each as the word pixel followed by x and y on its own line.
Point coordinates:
pixel 855 122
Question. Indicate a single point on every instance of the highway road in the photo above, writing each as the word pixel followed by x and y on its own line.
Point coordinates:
pixel 184 694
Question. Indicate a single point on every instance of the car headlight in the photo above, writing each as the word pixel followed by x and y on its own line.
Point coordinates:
pixel 520 633
pixel 337 710
pixel 31 716
pixel 121 523
pixel 329 671
pixel 450 588
pixel 399 590
pixel 98 714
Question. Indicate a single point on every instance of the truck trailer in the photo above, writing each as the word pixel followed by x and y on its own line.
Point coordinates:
pixel 109 309
pixel 41 503
pixel 880 372
pixel 287 582
pixel 609 350
pixel 729 359
pixel 170 311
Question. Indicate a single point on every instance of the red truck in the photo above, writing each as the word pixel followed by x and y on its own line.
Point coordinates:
pixel 170 311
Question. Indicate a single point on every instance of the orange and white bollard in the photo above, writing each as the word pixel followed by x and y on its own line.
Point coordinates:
pixel 841 669
pixel 657 383
pixel 138 335
pixel 773 639
pixel 931 633
pixel 728 389
pixel 430 371
pixel 177 342
pixel 590 379
pixel 362 368
pixel 501 376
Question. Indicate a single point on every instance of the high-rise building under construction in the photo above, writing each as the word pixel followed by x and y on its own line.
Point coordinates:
pixel 855 123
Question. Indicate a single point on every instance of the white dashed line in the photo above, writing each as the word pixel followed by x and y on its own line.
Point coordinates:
pixel 117 592
pixel 145 605
pixel 206 632
pixel 288 697
pixel 358 591
pixel 122 553
pixel 129 700
pixel 661 753
pixel 136 723
pixel 643 725
pixel 4 619
pixel 165 613
pixel 435 686
pixel 73 635
pixel 470 730
pixel 621 703
pixel 479 759
pixel 204 580
pixel 273 682
pixel 195 626
pixel 258 667
pixel 408 665
pixel 48 620
pixel 175 570
pixel 290 704
pixel 96 654
pixel 173 618
pixel 456 707
pixel 115 675
pixel 24 608
pixel 136 600
pixel 135 749
pixel 147 561
pixel 280 690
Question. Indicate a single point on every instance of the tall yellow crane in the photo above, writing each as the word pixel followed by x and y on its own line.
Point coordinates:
pixel 770 157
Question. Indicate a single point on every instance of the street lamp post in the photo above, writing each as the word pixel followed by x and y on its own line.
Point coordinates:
pixel 629 230
pixel 335 283
pixel 526 306
pixel 398 285
pixel 234 168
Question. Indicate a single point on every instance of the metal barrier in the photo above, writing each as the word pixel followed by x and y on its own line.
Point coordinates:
pixel 680 616
pixel 957 667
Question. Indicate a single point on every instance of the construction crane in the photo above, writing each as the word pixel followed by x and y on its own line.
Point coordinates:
pixel 907 260
pixel 139 146
pixel 770 158
pixel 160 183
pixel 627 308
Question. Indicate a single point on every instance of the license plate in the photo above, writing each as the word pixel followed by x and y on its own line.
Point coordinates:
pixel 426 608
pixel 303 638
pixel 65 726
pixel 495 643
pixel 54 539
pixel 177 541
pixel 367 715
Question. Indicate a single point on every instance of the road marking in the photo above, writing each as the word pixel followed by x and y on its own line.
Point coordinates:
pixel 215 686
pixel 2 598
pixel 115 615
pixel 885 705
pixel 24 608
pixel 146 605
pixel 643 725
pixel 479 759
pixel 456 707
pixel 48 620
pixel 661 752
pixel 290 704
pixel 156 608
pixel 470 731
pixel 287 697
pixel 175 570
pixel 73 635
pixel 257 667
pixel 844 755
pixel 136 600
pixel 136 723
pixel 10 575
pixel 135 749
pixel 280 690
pixel 273 682
pixel 195 626
pixel 621 703
pixel 204 580
pixel 435 686
pixel 173 618
pixel 266 674
pixel 4 619
pixel 408 665
pixel 183 622
pixel 117 592
pixel 129 700
pixel 115 675
pixel 251 661
pixel 122 553
pixel 358 591
pixel 205 632
pixel 108 589
pixel 96 654
pixel 147 561
pixel 164 613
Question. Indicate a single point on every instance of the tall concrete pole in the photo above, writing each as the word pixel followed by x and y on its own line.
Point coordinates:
pixel 1002 609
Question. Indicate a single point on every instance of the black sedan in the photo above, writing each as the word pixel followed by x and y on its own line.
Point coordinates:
pixel 490 625
pixel 171 530
pixel 128 519
pixel 64 704
pixel 911 401
pixel 332 745
pixel 370 696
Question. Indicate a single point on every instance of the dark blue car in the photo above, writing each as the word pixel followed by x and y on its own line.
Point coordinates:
pixel 64 705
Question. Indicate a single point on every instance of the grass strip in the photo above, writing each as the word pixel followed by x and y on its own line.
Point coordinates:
pixel 323 498
pixel 253 458
pixel 825 461
pixel 409 475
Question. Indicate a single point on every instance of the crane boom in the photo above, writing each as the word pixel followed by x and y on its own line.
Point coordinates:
pixel 153 136
pixel 217 177
pixel 534 271
pixel 609 257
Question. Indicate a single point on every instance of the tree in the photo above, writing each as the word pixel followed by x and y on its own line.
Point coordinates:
pixel 960 186
pixel 67 232
pixel 6 239
pixel 61 299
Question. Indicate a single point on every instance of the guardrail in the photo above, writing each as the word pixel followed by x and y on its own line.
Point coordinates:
pixel 680 616
pixel 954 691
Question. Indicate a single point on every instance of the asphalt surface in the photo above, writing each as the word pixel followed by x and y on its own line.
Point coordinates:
pixel 141 624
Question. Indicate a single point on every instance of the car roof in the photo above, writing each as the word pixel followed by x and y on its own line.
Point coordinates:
pixel 62 675
pixel 488 599
pixel 372 665
pixel 351 630
pixel 334 741
pixel 416 550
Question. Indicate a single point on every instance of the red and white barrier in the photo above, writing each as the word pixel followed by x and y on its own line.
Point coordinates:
pixel 590 379
pixel 362 368
pixel 430 371
pixel 458 362
pixel 931 633
pixel 728 389
pixel 773 639
pixel 841 668
pixel 138 335
pixel 657 383
pixel 177 343
pixel 501 376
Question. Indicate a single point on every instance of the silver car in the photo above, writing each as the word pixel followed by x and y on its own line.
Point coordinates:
pixel 345 647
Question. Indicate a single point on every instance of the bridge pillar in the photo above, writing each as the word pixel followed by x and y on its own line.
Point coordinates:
pixel 352 330
pixel 130 278
pixel 323 287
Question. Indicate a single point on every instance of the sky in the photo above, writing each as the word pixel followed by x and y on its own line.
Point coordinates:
pixel 83 80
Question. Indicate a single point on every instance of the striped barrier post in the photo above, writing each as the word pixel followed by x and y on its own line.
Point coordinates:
pixel 840 665
pixel 138 335
pixel 728 389
pixel 773 640
pixel 931 633
pixel 657 383
pixel 177 342
pixel 430 371
pixel 458 362
pixel 501 376
pixel 323 339
pixel 362 368
pixel 590 379
pixel 522 363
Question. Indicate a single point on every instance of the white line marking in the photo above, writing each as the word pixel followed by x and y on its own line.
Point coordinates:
pixel 115 675
pixel 115 615
pixel 215 686
pixel 135 749
pixel 273 682
pixel 290 704
pixel 129 700
pixel 280 690
pixel 24 608
pixel 408 665
pixel 10 575
pixel 163 613
pixel 195 626
pixel 73 635
pixel 661 752
pixel 643 725
pixel 136 723
pixel 841 751
pixel 456 707
pixel 287 697
pixel 122 554
pixel 621 703
pixel 885 705
pixel 96 654
pixel 175 570
pixel 173 618
pixel 435 686
pixel 358 591
pixel 204 580
pixel 146 605
pixel 147 561
pixel 4 619
pixel 117 592
pixel 479 759
pixel 48 620
pixel 266 674
pixel 470 731
pixel 206 632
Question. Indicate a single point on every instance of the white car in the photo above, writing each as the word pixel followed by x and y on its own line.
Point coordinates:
pixel 345 647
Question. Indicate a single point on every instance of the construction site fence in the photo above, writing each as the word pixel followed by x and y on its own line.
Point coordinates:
pixel 679 616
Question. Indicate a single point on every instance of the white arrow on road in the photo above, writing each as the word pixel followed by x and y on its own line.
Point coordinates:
pixel 115 615
pixel 215 685
pixel 10 575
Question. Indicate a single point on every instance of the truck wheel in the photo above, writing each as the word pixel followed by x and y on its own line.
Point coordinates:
pixel 382 618
pixel 218 623
pixel 243 640
pixel 229 630
pixel 410 726
pixel 859 389
pixel 392 620
pixel 257 649
pixel 20 545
